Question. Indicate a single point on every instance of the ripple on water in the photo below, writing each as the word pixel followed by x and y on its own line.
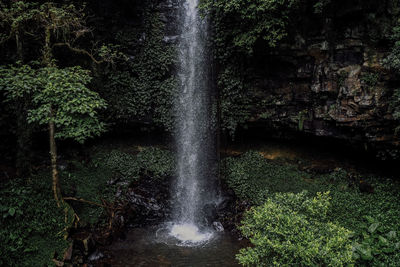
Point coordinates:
pixel 190 235
pixel 156 247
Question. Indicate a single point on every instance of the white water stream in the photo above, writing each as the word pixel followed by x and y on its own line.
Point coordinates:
pixel 193 131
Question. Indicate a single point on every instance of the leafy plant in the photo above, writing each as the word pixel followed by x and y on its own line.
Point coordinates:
pixel 370 80
pixel 61 100
pixel 156 162
pixel 123 164
pixel 293 229
pixel 143 87
pixel 254 178
pixel 261 20
pixel 32 225
pixel 374 242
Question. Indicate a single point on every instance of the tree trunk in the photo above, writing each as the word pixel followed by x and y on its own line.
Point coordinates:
pixel 47 49
pixel 53 157
pixel 24 130
pixel 18 41
pixel 24 142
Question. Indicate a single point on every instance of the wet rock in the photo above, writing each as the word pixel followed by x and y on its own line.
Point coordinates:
pixel 224 204
pixel 171 39
pixel 95 256
pixel 84 242
pixel 209 213
pixel 68 253
pixel 218 226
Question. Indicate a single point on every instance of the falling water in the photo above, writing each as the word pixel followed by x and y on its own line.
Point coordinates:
pixel 194 134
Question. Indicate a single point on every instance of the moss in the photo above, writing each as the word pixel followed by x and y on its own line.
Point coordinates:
pixel 369 80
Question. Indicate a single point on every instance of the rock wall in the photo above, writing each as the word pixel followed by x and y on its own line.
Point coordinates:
pixel 336 88
pixel 327 80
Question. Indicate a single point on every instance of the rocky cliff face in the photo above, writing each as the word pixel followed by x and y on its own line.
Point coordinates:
pixel 327 80
pixel 337 89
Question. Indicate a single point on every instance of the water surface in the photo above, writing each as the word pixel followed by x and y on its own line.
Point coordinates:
pixel 143 247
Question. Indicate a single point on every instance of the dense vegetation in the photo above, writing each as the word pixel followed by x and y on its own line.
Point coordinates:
pixel 34 230
pixel 290 226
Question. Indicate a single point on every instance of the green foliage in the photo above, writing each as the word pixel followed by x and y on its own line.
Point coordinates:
pixel 259 20
pixel 321 5
pixel 292 229
pixel 238 26
pixel 156 163
pixel 395 107
pixel 253 177
pixel 374 242
pixel 143 88
pixel 369 80
pixel 153 162
pixel 393 59
pixel 64 21
pixel 235 104
pixel 123 163
pixel 301 117
pixel 15 17
pixel 112 53
pixel 396 104
pixel 31 224
pixel 59 95
pixel 90 183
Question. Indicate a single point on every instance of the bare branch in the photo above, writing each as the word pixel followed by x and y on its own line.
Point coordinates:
pixel 79 51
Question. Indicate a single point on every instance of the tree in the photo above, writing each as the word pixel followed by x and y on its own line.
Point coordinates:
pixel 61 100
pixel 15 21
pixel 58 97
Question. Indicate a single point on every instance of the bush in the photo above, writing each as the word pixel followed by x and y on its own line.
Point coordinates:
pixel 31 224
pixel 156 162
pixel 123 164
pixel 253 177
pixel 292 230
pixel 374 243
pixel 152 161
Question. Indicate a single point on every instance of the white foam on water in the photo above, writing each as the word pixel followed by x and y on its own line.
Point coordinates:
pixel 189 234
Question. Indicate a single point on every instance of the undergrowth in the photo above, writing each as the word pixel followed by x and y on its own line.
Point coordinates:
pixel 256 180
pixel 31 224
pixel 33 228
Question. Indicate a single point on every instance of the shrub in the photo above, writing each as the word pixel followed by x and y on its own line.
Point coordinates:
pixel 156 162
pixel 253 177
pixel 123 164
pixel 31 223
pixel 292 230
pixel 374 243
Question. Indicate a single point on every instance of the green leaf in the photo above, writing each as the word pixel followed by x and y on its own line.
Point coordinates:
pixel 369 219
pixel 391 235
pixel 372 228
pixel 383 240
pixel 11 211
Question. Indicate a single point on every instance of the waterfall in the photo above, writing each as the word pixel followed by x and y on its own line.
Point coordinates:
pixel 194 134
